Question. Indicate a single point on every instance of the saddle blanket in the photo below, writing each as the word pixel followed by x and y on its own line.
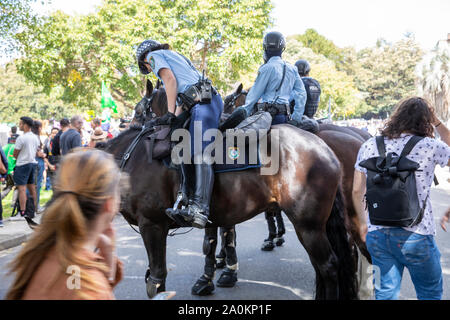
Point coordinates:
pixel 233 159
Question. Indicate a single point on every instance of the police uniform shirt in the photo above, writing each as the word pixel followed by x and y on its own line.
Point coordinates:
pixel 184 72
pixel 268 81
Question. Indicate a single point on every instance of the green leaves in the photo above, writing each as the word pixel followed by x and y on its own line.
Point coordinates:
pixel 385 73
pixel 336 85
pixel 223 37
pixel 19 98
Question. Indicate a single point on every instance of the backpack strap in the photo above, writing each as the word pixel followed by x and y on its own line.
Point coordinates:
pixel 381 146
pixel 410 145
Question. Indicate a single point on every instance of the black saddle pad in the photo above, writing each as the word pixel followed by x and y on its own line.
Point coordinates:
pixel 234 158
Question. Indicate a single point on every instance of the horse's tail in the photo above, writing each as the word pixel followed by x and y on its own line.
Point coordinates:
pixel 341 242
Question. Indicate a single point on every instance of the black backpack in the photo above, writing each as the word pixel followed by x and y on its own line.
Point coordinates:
pixel 391 194
pixel 29 208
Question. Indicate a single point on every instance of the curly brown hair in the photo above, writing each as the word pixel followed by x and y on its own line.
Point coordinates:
pixel 412 115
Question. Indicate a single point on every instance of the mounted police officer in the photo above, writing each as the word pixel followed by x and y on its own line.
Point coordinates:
pixel 185 84
pixel 312 88
pixel 277 83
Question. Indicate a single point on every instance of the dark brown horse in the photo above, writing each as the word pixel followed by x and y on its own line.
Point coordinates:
pixel 309 194
pixel 345 143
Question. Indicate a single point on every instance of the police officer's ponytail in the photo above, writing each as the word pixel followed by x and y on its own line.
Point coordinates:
pixel 163 46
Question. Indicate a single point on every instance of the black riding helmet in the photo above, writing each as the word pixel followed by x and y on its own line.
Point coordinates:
pixel 273 44
pixel 302 67
pixel 144 48
pixel 274 41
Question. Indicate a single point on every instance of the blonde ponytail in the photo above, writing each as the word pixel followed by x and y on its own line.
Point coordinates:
pixel 84 181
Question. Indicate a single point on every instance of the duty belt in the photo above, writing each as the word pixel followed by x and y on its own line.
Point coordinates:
pixel 192 96
pixel 274 108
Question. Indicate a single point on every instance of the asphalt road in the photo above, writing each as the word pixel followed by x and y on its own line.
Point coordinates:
pixel 283 274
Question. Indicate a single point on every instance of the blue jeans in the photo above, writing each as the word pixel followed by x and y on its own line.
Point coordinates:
pixel 393 249
pixel 40 177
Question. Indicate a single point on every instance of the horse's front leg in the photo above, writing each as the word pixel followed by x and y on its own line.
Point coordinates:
pixel 204 285
pixel 228 278
pixel 155 239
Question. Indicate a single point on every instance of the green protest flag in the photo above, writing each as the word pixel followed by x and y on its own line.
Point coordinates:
pixel 107 100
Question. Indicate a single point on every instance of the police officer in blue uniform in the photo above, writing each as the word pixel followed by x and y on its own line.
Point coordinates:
pixel 277 83
pixel 312 88
pixel 181 80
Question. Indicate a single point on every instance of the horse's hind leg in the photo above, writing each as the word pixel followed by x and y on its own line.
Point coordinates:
pixel 228 278
pixel 324 261
pixel 155 240
pixel 204 285
pixel 309 222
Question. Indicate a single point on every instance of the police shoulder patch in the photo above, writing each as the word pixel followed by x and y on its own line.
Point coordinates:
pixel 152 63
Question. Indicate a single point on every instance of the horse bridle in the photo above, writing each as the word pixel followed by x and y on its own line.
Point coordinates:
pixel 148 106
pixel 144 131
pixel 236 96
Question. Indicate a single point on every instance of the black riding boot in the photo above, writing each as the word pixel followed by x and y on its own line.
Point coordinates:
pixel 197 212
pixel 187 183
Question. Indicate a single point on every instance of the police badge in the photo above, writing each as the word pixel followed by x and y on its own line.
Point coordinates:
pixel 233 153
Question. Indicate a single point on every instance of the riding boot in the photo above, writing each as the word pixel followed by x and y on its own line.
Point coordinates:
pixel 187 183
pixel 204 178
pixel 197 212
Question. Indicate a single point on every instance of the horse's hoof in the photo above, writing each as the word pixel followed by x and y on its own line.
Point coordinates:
pixel 227 279
pixel 220 263
pixel 203 287
pixel 279 241
pixel 267 245
pixel 152 289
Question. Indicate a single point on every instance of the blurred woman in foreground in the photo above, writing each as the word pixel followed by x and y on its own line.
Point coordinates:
pixel 71 254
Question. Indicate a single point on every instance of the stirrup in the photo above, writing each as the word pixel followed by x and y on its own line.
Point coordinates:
pixel 179 218
pixel 180 199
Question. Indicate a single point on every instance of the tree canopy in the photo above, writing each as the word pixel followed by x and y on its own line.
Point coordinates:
pixel 433 74
pixel 336 85
pixel 385 74
pixel 68 56
pixel 19 98
pixel 14 14
pixel 77 52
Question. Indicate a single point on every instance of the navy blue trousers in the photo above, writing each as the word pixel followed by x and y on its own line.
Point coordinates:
pixel 279 119
pixel 209 116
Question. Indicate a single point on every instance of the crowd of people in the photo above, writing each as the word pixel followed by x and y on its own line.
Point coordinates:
pixel 32 154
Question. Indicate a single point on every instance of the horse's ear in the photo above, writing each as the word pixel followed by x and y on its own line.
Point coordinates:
pixel 149 90
pixel 239 89
pixel 158 84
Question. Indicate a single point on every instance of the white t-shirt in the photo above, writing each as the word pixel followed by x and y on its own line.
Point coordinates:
pixel 428 153
pixel 28 144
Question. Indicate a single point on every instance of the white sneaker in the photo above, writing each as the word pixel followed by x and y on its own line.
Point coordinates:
pixel 17 217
